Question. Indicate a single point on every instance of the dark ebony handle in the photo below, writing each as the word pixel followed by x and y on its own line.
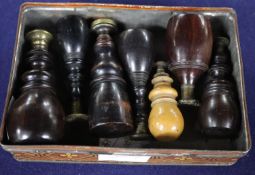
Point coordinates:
pixel 37 116
pixel 219 112
pixel 110 112
pixel 136 51
pixel 73 36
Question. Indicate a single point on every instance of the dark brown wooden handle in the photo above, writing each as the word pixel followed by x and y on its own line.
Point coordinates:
pixel 189 47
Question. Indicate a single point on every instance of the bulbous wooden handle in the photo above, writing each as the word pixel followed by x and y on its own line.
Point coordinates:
pixel 165 121
pixel 218 115
pixel 189 47
pixel 189 40
pixel 73 36
pixel 36 116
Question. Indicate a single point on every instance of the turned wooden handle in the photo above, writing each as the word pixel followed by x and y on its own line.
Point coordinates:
pixel 189 39
pixel 189 47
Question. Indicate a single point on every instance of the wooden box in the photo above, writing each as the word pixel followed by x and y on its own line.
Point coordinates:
pixel 191 148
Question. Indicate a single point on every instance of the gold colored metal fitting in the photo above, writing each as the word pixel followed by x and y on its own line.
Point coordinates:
pixel 103 21
pixel 39 38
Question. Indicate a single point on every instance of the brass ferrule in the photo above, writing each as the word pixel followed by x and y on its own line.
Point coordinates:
pixel 106 22
pixel 187 95
pixel 187 92
pixel 39 38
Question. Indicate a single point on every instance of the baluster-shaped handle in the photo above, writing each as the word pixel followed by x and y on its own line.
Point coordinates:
pixel 36 116
pixel 109 108
pixel 219 113
pixel 165 121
